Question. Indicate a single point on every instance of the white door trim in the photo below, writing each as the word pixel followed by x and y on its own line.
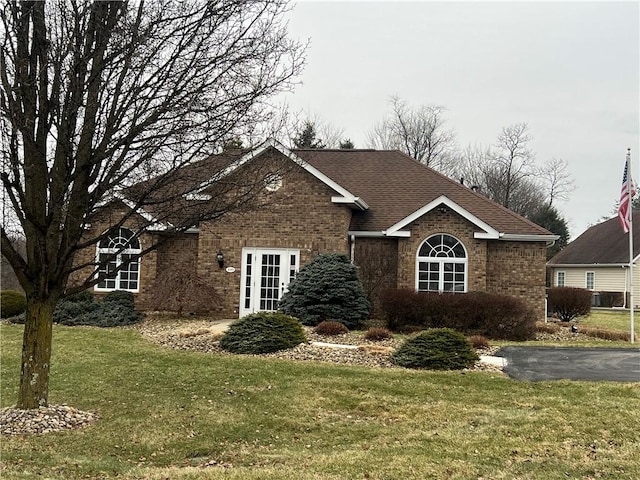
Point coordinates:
pixel 263 283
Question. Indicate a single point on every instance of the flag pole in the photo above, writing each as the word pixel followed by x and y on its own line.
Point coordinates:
pixel 630 213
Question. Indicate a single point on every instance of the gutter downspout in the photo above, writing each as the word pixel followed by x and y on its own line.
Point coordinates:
pixel 353 248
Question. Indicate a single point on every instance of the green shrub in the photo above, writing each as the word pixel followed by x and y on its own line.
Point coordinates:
pixel 83 296
pixel 569 302
pixel 377 334
pixel 328 287
pixel 12 303
pixel 108 314
pixel 330 328
pixel 69 309
pixel 436 349
pixel 121 297
pixel 116 310
pixel 263 332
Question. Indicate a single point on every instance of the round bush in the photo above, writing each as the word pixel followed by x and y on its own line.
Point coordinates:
pixel 377 334
pixel 263 332
pixel 121 297
pixel 328 287
pixel 436 349
pixel 330 328
pixel 12 303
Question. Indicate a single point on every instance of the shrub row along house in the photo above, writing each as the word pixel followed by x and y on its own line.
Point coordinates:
pixel 403 224
pixel 598 260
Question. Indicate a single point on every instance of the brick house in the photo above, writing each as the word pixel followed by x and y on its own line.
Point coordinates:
pixel 403 224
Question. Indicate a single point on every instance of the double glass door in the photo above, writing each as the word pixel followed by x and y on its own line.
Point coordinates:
pixel 266 273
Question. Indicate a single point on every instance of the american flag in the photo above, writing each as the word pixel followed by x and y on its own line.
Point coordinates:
pixel 626 194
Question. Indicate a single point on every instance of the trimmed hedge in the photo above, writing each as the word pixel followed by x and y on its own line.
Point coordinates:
pixel 474 313
pixel 331 328
pixel 263 332
pixel 12 303
pixel 436 349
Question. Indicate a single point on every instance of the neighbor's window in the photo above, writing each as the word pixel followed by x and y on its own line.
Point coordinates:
pixel 560 279
pixel 590 280
pixel 119 249
pixel 441 265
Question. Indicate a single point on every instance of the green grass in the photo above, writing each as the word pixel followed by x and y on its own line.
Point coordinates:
pixel 612 320
pixel 165 413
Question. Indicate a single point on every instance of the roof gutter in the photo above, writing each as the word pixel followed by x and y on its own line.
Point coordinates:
pixel 517 237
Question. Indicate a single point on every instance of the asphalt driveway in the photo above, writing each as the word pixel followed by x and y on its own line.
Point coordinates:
pixel 591 364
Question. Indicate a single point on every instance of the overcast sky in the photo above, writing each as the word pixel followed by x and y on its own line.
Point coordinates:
pixel 570 70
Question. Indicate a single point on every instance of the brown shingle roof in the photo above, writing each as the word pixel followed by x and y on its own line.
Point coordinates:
pixel 395 185
pixel 605 243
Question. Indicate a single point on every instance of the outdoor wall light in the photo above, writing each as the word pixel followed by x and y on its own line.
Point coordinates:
pixel 220 258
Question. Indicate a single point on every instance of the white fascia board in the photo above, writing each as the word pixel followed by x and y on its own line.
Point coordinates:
pixel 382 234
pixel 357 201
pixel 487 233
pixel 155 224
pixel 345 196
pixel 586 265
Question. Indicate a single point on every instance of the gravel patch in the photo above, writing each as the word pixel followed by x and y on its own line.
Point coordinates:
pixel 201 336
pixel 54 418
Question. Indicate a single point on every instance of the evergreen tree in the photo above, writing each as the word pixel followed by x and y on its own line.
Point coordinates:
pixel 308 137
pixel 548 217
pixel 328 288
pixel 347 144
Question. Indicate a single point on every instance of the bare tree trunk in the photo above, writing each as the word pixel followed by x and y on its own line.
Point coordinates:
pixel 36 354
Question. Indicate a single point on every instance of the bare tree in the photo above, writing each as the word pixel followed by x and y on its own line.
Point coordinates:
pixel 558 182
pixel 92 94
pixel 507 173
pixel 418 132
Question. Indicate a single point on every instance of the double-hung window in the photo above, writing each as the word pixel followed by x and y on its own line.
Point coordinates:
pixel 590 280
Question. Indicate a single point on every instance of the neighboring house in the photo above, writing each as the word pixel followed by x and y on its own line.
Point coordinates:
pixel 598 260
pixel 403 224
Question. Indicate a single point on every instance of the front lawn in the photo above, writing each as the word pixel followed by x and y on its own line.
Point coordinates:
pixel 168 414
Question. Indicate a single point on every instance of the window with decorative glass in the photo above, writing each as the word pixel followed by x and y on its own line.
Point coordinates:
pixel 441 265
pixel 119 258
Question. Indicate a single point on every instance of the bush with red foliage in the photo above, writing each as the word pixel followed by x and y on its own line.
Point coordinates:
pixel 474 313
pixel 331 328
pixel 569 302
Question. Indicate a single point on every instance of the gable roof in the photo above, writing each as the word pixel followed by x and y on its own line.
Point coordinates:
pixel 386 189
pixel 399 189
pixel 602 244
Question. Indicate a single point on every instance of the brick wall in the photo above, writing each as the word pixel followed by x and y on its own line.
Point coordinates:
pixel 451 223
pixel 299 215
pixel 518 269
pixel 509 268
pixel 101 222
pixel 377 262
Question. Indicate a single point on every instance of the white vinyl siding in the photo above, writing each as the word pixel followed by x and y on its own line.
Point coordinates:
pixel 607 279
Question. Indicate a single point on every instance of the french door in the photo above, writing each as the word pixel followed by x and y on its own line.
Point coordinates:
pixel 266 273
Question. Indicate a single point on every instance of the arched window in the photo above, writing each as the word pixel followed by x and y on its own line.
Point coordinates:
pixel 119 249
pixel 441 265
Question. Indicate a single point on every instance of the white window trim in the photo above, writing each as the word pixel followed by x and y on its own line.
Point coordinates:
pixel 564 278
pixel 586 280
pixel 118 252
pixel 442 260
